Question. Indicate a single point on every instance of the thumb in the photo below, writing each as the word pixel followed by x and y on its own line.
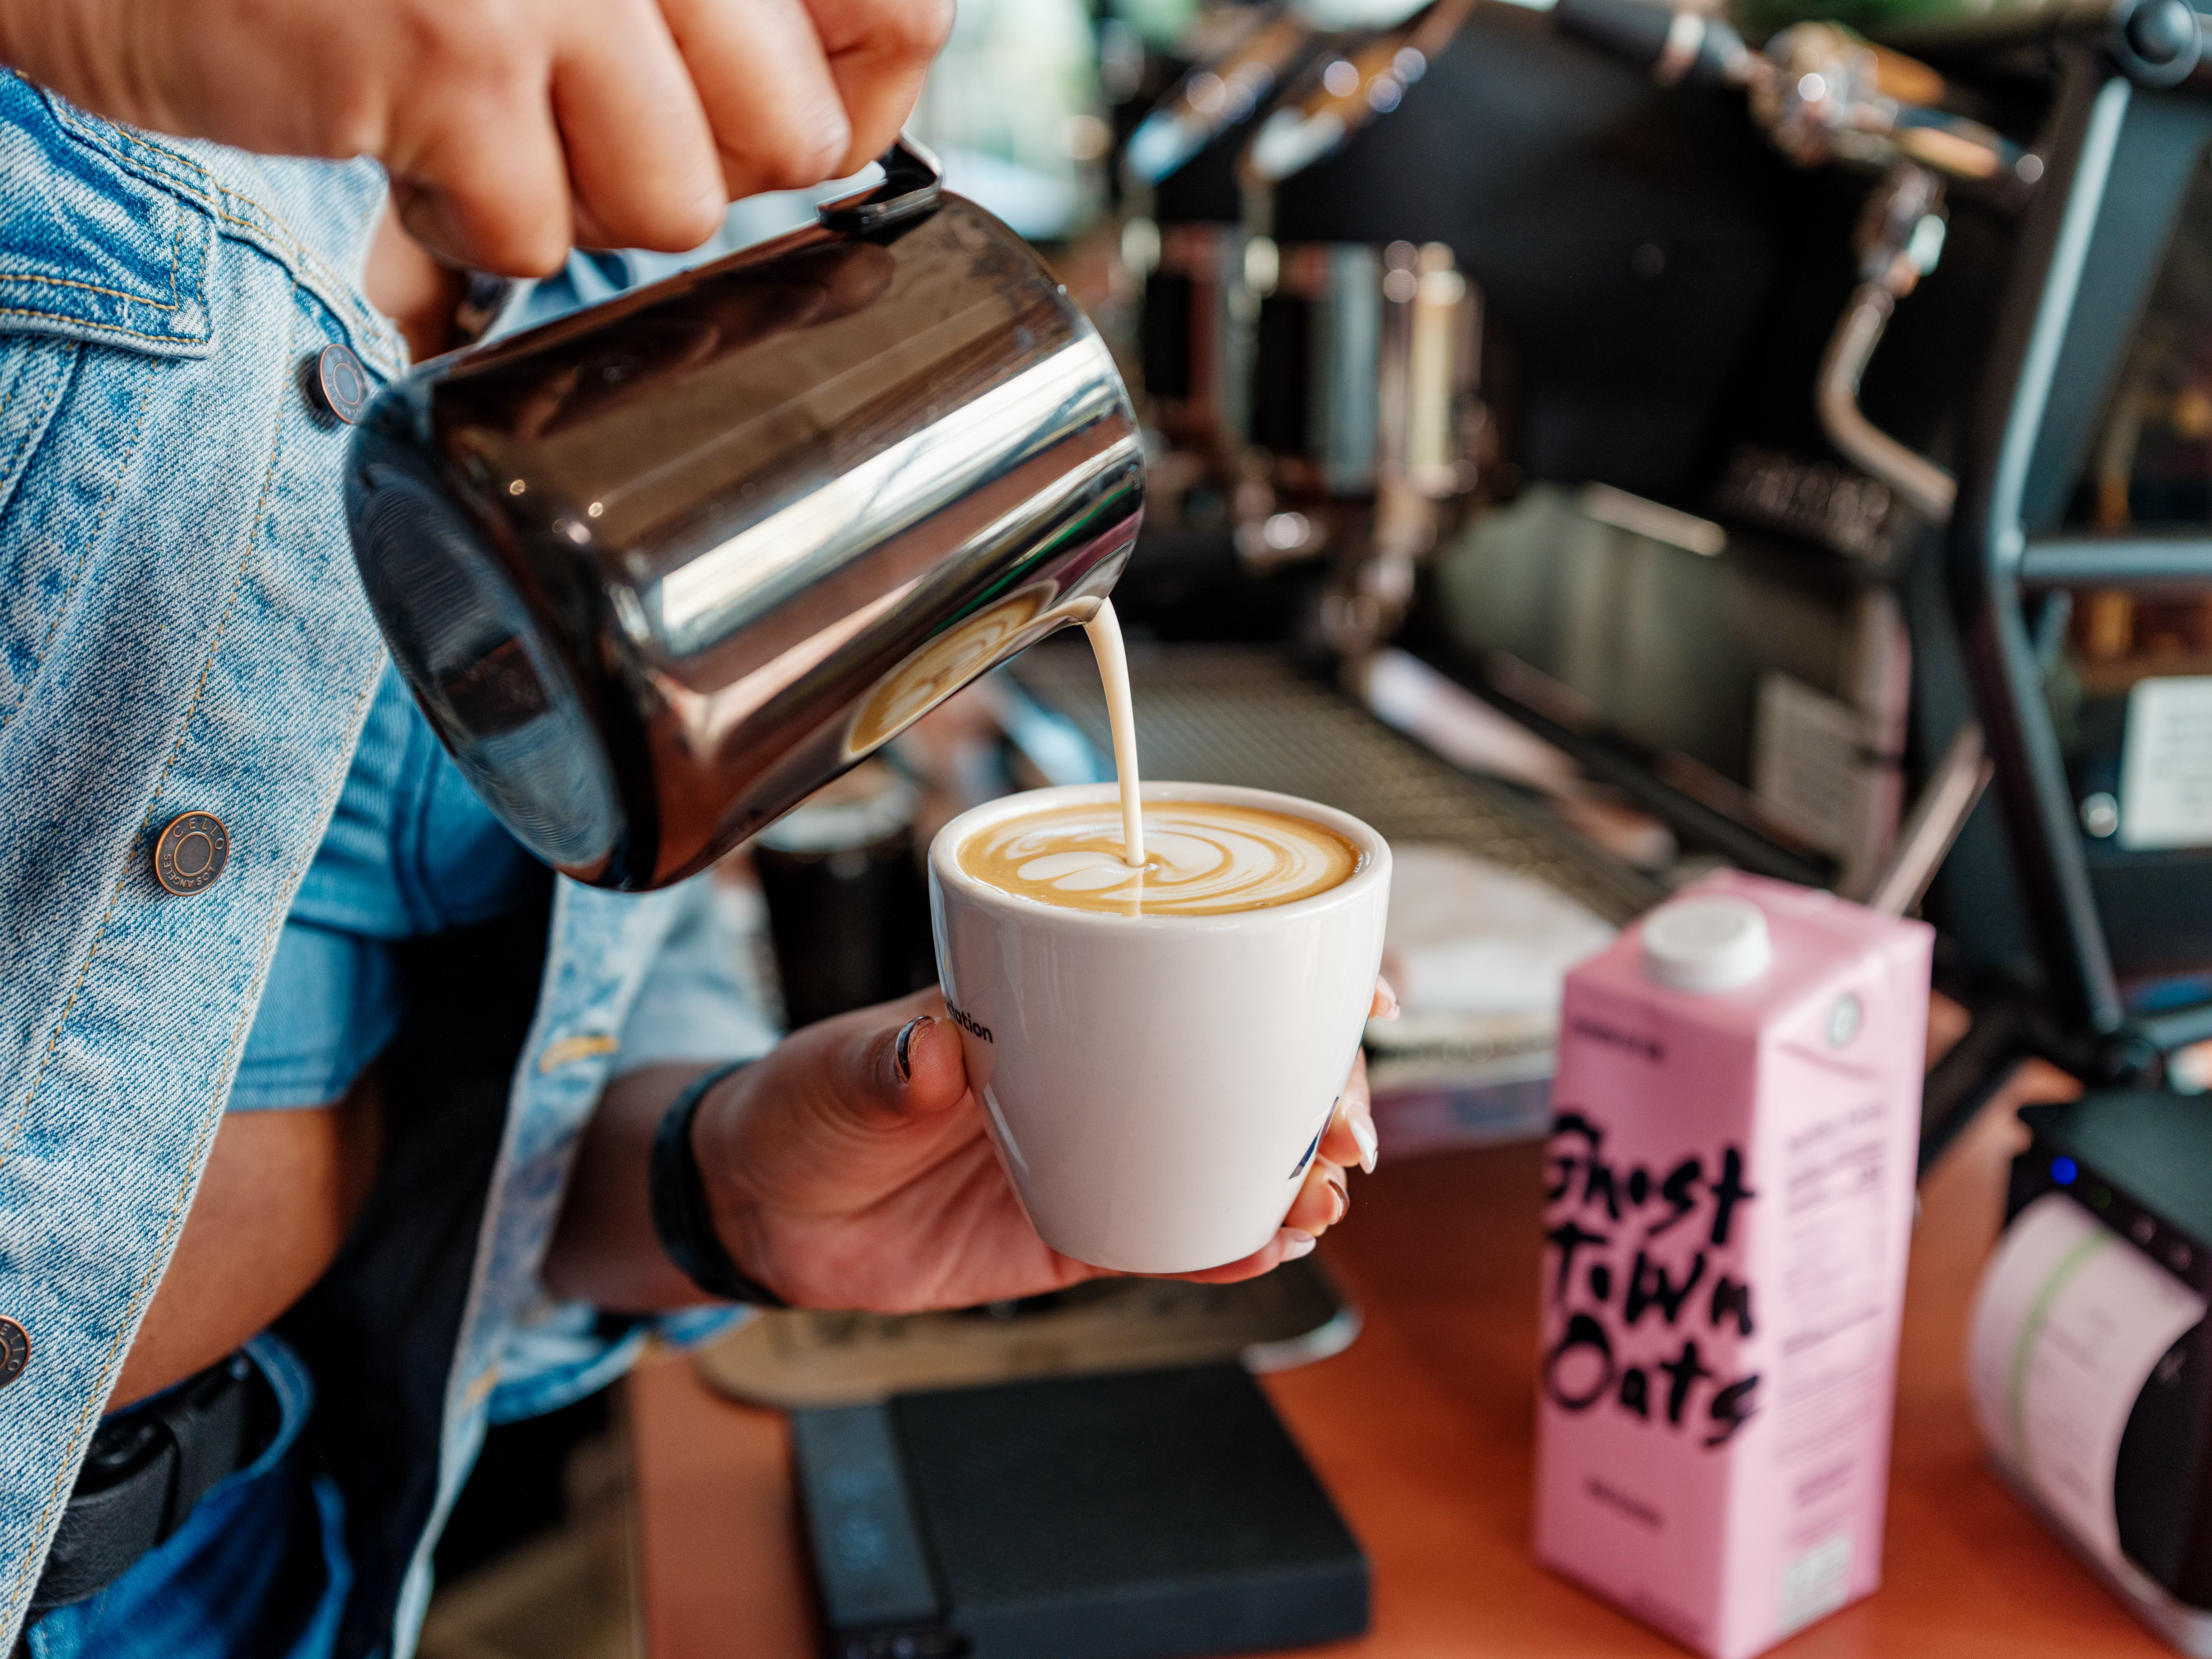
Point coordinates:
pixel 885 1073
pixel 929 1067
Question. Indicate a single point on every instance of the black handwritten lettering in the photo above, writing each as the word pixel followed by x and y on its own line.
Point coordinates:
pixel 1687 1369
pixel 1635 1392
pixel 1728 1192
pixel 1564 1164
pixel 1592 1358
pixel 1597 1183
pixel 1733 1300
pixel 1648 1286
pixel 1731 1409
pixel 1570 1237
pixel 1584 1335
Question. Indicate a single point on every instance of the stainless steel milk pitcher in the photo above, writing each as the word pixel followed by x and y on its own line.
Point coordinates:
pixel 659 569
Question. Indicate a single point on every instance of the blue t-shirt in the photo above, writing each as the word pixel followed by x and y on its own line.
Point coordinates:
pixel 411 852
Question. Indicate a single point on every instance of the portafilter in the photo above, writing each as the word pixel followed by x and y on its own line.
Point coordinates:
pixel 659 569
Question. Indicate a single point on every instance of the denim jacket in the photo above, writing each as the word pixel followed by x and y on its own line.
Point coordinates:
pixel 182 630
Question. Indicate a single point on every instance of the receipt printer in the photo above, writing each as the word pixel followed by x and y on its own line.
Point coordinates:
pixel 1139 1516
pixel 2087 1358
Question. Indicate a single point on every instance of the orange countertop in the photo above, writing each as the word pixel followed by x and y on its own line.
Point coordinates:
pixel 1421 1430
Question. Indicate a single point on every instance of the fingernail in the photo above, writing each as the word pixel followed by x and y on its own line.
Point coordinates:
pixel 905 1042
pixel 1343 1199
pixel 1297 1243
pixel 1363 1132
pixel 1383 989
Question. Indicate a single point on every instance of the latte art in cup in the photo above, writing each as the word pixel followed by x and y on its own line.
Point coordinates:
pixel 1202 858
pixel 1158 1050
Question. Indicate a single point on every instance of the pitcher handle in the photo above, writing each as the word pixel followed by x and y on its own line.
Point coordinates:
pixel 914 180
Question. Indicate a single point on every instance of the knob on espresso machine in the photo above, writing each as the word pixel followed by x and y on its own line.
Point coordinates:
pixel 659 569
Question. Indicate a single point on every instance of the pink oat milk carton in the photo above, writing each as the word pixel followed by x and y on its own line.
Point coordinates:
pixel 1729 1200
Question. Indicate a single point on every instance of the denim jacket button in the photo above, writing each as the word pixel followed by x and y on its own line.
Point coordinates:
pixel 14 1351
pixel 342 385
pixel 190 853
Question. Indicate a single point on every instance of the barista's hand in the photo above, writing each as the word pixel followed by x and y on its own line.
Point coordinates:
pixel 850 1169
pixel 511 128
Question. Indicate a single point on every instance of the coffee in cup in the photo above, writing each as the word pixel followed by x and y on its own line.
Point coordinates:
pixel 1202 858
pixel 1158 1048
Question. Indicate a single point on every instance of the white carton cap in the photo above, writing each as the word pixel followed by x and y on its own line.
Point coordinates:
pixel 1707 944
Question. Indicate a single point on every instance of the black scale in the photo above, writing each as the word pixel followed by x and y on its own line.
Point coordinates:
pixel 1135 1515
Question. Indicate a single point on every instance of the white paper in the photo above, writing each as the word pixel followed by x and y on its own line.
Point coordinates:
pixel 2069 1322
pixel 2166 764
pixel 1465 936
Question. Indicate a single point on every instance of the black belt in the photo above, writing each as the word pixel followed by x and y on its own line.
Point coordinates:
pixel 147 1471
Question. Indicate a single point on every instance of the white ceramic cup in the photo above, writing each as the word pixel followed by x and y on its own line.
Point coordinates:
pixel 1156 1085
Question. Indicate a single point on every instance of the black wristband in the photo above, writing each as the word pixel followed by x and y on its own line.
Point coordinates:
pixel 681 1218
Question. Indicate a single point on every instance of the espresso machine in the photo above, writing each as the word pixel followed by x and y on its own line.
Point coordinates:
pixel 1738 317
pixel 1484 263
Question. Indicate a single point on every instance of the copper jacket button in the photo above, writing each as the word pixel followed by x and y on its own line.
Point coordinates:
pixel 14 1351
pixel 191 852
pixel 340 384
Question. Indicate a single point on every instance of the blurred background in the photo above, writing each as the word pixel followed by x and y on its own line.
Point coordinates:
pixel 1596 444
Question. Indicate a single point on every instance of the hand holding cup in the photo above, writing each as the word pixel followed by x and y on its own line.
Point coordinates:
pixel 1159 1051
pixel 853 1167
pixel 1178 1094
